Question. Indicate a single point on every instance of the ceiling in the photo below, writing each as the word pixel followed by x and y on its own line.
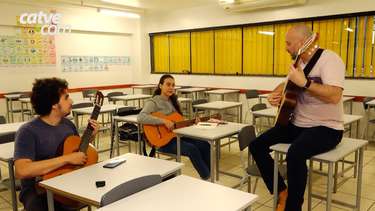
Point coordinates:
pixel 162 5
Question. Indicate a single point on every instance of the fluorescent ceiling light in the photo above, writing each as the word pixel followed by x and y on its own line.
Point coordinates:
pixel 227 1
pixel 349 29
pixel 118 13
pixel 131 3
pixel 266 33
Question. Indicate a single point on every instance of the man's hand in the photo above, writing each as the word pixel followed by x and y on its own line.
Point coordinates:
pixel 95 125
pixel 297 76
pixel 169 124
pixel 76 158
pixel 274 98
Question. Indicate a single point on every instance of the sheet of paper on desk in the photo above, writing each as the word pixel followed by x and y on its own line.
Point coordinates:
pixel 207 125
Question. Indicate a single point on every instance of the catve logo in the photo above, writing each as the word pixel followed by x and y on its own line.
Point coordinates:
pixel 50 22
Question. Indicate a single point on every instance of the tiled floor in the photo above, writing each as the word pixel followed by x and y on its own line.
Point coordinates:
pixel 230 161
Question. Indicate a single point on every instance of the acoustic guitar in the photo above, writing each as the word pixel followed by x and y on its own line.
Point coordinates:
pixel 159 135
pixel 75 144
pixel 291 90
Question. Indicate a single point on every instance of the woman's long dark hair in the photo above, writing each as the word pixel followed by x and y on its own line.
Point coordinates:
pixel 172 97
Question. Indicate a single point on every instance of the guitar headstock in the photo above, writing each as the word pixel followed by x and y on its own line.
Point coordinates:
pixel 99 98
pixel 308 45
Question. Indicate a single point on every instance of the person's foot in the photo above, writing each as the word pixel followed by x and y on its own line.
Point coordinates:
pixel 283 195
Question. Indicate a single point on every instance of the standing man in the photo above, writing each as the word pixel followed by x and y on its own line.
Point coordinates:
pixel 317 126
pixel 38 140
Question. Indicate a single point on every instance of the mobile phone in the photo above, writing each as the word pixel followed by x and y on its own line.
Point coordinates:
pixel 114 163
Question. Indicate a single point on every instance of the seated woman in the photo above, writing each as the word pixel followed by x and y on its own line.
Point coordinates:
pixel 165 101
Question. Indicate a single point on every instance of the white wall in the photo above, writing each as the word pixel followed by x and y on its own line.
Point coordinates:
pixel 210 16
pixel 93 34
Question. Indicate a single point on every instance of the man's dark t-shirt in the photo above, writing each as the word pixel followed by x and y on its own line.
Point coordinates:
pixel 37 140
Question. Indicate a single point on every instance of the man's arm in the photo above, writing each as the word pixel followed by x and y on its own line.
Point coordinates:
pixel 26 168
pixel 325 93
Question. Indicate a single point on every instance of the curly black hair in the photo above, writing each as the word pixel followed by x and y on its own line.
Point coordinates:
pixel 46 93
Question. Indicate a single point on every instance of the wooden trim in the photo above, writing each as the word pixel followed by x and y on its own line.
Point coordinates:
pixel 80 89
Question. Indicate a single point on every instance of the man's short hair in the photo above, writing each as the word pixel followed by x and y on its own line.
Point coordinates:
pixel 46 93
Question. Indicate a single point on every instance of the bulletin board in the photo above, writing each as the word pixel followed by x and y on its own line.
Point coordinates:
pixel 92 63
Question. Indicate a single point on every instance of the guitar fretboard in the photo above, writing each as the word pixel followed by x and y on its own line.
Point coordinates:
pixel 85 140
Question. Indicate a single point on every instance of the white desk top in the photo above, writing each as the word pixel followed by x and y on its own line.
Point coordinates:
pixel 193 89
pixel 147 86
pixel 210 133
pixel 128 118
pixel 10 127
pixel 80 184
pixel 184 99
pixel 344 148
pixel 185 193
pixel 347 98
pixel 103 109
pixel 371 103
pixel 223 91
pixel 263 95
pixel 268 112
pixel 350 118
pixel 218 105
pixel 271 112
pixel 132 97
pixel 12 96
pixel 6 151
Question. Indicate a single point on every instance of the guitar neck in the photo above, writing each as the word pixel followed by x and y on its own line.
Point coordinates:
pixel 192 121
pixel 85 139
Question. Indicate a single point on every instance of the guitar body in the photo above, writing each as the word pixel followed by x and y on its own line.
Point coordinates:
pixel 71 144
pixel 159 135
pixel 288 104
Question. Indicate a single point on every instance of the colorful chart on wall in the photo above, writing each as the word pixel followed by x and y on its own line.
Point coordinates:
pixel 91 63
pixel 27 47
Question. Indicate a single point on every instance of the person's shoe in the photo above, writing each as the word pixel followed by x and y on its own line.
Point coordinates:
pixel 283 195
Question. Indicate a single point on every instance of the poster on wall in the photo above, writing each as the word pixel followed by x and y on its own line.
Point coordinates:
pixel 91 63
pixel 28 47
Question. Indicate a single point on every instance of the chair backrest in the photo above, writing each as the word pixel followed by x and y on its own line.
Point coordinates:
pixel 85 93
pixel 252 93
pixel 128 188
pixel 128 111
pixel 114 94
pixel 2 119
pixel 246 136
pixel 258 106
pixel 367 99
pixel 82 105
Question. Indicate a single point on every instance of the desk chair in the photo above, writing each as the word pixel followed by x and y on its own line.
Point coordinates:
pixel 245 137
pixel 258 107
pixel 114 94
pixel 250 94
pixel 128 188
pixel 128 131
pixel 86 93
